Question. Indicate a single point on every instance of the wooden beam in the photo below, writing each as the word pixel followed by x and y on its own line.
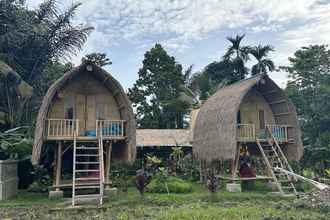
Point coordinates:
pixel 277 102
pixel 282 113
pixel 236 162
pixel 58 164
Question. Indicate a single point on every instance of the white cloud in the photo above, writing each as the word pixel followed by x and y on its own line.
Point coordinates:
pixel 177 24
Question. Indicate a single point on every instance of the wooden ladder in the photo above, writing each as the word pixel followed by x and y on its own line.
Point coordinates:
pixel 274 158
pixel 88 171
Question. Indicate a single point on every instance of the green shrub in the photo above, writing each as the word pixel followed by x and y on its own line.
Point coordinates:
pixel 42 180
pixel 169 184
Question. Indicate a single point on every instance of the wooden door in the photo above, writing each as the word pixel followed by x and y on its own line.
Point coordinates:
pixel 80 113
pixel 261 119
pixel 90 113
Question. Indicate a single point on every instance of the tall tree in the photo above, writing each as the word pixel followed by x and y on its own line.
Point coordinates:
pixel 309 89
pixel 264 64
pixel 237 55
pixel 31 39
pixel 99 59
pixel 157 94
pixel 35 42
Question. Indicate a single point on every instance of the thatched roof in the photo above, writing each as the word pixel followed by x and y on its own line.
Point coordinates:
pixel 114 87
pixel 163 137
pixel 216 122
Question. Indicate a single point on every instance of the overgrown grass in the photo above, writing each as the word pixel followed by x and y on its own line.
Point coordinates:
pixel 199 204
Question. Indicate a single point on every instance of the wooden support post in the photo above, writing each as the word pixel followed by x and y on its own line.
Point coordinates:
pixel 58 165
pixel 235 162
pixel 200 171
pixel 108 163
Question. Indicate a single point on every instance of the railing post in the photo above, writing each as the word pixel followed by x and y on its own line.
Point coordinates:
pixel 96 128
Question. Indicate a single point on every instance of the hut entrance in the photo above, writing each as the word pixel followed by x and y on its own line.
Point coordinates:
pixel 86 113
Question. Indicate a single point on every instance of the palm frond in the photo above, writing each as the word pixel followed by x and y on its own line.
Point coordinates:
pixel 46 10
pixel 69 42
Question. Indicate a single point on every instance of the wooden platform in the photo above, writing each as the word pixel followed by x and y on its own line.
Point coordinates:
pixel 68 183
pixel 83 138
pixel 246 178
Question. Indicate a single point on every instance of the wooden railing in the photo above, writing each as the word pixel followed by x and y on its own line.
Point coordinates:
pixel 280 132
pixel 246 132
pixel 62 127
pixel 110 128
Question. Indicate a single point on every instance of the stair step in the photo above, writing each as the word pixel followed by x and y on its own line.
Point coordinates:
pixel 90 170
pixel 88 187
pixel 87 148
pixel 87 155
pixel 84 162
pixel 287 187
pixel 87 178
pixel 88 183
pixel 87 196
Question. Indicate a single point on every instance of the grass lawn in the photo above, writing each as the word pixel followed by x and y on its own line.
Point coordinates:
pixel 196 205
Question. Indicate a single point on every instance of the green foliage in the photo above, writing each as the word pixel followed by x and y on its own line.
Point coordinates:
pixel 231 68
pixel 15 144
pixel 264 64
pixel 161 183
pixel 42 180
pixel 32 43
pixel 156 94
pixel 99 59
pixel 309 89
pixel 14 93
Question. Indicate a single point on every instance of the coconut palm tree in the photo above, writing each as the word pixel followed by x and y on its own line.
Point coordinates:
pixel 237 55
pixel 264 64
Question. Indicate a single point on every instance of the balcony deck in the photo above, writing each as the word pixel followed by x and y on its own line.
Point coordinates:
pixel 64 129
pixel 247 133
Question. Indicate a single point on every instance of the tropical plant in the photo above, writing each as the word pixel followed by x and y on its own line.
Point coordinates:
pixel 176 156
pixel 99 59
pixel 31 43
pixel 14 93
pixel 42 180
pixel 15 144
pixel 237 55
pixel 141 181
pixel 264 64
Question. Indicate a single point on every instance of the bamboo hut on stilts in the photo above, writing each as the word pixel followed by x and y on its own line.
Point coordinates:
pixel 85 121
pixel 252 117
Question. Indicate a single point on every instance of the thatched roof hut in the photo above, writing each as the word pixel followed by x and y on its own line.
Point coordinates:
pixel 122 103
pixel 163 138
pixel 215 130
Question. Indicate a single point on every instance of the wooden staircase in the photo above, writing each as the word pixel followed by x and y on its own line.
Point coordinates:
pixel 88 171
pixel 275 158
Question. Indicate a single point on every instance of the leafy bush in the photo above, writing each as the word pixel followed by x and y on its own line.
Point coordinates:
pixel 168 184
pixel 42 180
pixel 15 144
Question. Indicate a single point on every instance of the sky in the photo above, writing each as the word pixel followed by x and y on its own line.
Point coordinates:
pixel 195 31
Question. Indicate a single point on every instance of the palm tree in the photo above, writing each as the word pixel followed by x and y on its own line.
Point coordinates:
pixel 237 55
pixel 60 37
pixel 264 64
